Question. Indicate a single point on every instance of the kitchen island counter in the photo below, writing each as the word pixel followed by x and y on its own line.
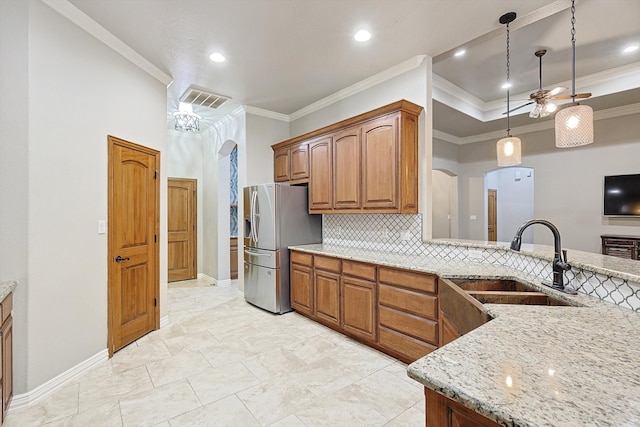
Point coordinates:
pixel 531 365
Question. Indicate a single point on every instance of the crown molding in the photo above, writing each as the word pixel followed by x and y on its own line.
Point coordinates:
pixel 609 113
pixel 447 137
pixel 376 79
pixel 266 113
pixel 79 18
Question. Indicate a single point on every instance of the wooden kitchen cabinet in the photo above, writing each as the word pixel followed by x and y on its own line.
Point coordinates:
pixel 365 164
pixel 320 175
pixel 291 164
pixel 459 312
pixel 233 258
pixel 326 281
pixel 6 352
pixel 301 279
pixel 621 246
pixel 358 299
pixel 444 412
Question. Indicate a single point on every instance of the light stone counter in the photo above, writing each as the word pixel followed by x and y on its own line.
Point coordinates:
pixel 531 365
pixel 6 288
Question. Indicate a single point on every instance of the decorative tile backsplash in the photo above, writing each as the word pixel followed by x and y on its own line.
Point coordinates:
pixel 403 234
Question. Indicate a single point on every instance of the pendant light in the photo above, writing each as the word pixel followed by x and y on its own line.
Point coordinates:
pixel 574 124
pixel 508 148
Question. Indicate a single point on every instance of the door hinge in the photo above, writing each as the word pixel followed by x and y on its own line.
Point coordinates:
pixel 155 238
pixel 155 174
pixel 155 302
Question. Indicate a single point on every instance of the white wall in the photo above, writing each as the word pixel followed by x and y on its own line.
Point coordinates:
pixel 80 91
pixel 441 204
pixel 185 160
pixel 515 188
pixel 14 176
pixel 568 188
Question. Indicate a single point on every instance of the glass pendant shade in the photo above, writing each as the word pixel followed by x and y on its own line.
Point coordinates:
pixel 509 152
pixel 574 126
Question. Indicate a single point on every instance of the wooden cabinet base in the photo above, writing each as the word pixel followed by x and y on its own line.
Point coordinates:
pixel 444 412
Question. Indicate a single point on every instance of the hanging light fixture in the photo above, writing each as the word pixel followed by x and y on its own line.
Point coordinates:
pixel 574 124
pixel 508 148
pixel 185 120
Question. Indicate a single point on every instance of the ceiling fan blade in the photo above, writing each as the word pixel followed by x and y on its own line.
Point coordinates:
pixel 517 108
pixel 578 95
pixel 556 91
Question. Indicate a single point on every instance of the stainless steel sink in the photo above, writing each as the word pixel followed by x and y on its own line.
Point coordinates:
pixel 505 291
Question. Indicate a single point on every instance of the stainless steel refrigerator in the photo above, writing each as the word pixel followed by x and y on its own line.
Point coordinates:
pixel 275 217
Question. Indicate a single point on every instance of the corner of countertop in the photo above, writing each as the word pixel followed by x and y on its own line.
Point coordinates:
pixel 6 287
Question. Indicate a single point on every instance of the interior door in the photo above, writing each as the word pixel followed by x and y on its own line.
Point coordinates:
pixel 133 242
pixel 182 220
pixel 492 215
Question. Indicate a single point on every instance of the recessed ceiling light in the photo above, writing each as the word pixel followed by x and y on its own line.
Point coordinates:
pixel 631 48
pixel 460 52
pixel 506 86
pixel 217 57
pixel 362 36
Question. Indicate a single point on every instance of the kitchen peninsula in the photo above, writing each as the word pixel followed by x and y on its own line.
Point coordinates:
pixel 530 365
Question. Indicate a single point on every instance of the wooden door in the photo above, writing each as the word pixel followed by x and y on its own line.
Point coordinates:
pixel 359 307
pixel 281 165
pixel 346 169
pixel 327 297
pixel 133 242
pixel 380 163
pixel 299 159
pixel 182 220
pixel 492 215
pixel 320 175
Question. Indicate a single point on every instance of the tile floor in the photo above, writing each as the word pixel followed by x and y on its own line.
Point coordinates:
pixel 223 362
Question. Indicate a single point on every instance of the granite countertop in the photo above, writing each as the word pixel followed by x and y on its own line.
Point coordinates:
pixel 6 287
pixel 531 365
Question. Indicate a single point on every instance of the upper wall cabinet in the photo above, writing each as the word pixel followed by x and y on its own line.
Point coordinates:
pixel 365 164
pixel 291 164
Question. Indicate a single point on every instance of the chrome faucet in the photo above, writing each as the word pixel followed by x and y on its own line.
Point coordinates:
pixel 559 265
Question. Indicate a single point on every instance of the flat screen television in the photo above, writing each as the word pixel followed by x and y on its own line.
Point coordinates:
pixel 622 195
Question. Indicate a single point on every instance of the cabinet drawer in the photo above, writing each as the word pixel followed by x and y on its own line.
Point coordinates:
pixel 357 269
pixel 406 279
pixel 327 264
pixel 7 306
pixel 414 349
pixel 423 329
pixel 404 300
pixel 620 252
pixel 302 258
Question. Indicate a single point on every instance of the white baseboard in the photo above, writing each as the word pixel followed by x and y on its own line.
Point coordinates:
pixel 25 400
pixel 164 321
pixel 223 283
pixel 205 277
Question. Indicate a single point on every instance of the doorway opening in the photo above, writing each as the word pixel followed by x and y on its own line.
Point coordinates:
pixel 445 204
pixel 513 201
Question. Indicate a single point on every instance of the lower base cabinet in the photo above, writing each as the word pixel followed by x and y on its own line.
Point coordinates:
pixel 6 352
pixel 392 310
pixel 444 412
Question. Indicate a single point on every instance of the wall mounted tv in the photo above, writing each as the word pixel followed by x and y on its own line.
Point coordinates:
pixel 622 195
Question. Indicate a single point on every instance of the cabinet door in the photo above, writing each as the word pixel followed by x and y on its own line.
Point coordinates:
pixel 302 289
pixel 320 174
pixel 7 364
pixel 380 163
pixel 346 169
pixel 299 158
pixel 359 307
pixel 444 412
pixel 327 297
pixel 281 164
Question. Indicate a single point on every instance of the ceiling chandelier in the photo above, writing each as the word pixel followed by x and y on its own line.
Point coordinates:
pixel 185 120
pixel 574 124
pixel 508 148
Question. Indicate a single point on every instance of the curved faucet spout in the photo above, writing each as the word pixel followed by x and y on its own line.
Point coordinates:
pixel 559 265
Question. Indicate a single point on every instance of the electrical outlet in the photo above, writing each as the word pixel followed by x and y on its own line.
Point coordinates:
pixel 405 235
pixel 338 230
pixel 474 254
pixel 384 232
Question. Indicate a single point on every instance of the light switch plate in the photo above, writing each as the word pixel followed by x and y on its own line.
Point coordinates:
pixel 102 226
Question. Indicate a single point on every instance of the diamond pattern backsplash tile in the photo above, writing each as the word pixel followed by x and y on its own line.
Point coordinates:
pixel 403 234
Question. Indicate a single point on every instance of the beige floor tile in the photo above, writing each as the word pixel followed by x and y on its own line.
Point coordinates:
pixel 171 331
pixel 275 363
pixel 340 412
pixel 114 387
pixel 134 356
pixel 409 418
pixel 176 368
pixel 326 376
pixel 102 369
pixel 227 351
pixel 222 381
pixel 61 404
pixel 160 404
pixel 399 369
pixel 191 342
pixel 276 399
pixel 225 412
pixel 101 416
pixel 290 421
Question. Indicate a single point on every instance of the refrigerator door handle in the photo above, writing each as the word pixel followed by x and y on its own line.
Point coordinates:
pixel 256 253
pixel 254 221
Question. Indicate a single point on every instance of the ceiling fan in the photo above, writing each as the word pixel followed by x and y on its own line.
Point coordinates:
pixel 542 96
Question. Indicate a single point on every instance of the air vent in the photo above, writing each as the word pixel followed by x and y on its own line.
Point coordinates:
pixel 202 98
